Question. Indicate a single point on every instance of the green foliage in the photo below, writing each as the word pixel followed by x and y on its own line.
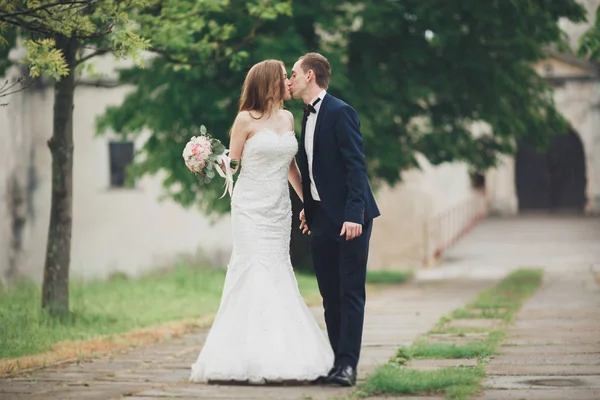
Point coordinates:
pixel 8 38
pixel 589 43
pixel 419 73
pixel 102 25
pixel 183 31
pixel 43 57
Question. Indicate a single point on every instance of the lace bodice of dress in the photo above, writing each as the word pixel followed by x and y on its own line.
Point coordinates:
pixel 267 156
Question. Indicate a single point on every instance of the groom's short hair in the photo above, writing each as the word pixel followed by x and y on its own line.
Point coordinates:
pixel 319 65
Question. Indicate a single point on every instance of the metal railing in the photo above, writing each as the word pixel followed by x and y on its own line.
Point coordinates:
pixel 443 230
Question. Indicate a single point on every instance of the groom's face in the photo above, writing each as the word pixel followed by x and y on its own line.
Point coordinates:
pixel 288 94
pixel 298 81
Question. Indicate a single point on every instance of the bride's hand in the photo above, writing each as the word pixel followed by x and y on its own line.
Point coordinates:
pixel 303 225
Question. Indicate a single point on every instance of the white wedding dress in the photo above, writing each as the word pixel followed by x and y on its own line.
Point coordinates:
pixel 263 330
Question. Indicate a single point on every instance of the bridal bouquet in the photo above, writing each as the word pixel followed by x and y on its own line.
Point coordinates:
pixel 206 156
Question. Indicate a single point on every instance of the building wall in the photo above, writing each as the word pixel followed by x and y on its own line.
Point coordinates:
pixel 400 236
pixel 16 179
pixel 114 229
pixel 579 102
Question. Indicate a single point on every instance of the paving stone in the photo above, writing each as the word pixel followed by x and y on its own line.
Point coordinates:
pixel 66 376
pixel 95 391
pixel 539 359
pixel 535 314
pixel 544 341
pixel 553 351
pixel 555 335
pixel 12 386
pixel 158 376
pixel 429 364
pixel 542 382
pixel 244 392
pixel 558 324
pixel 382 397
pixel 512 369
pixel 541 394
pixel 548 350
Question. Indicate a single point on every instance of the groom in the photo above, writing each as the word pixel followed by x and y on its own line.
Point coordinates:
pixel 338 209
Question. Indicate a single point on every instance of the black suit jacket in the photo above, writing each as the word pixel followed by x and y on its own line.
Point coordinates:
pixel 339 167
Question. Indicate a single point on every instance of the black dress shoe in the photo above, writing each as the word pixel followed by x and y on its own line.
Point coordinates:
pixel 325 379
pixel 344 376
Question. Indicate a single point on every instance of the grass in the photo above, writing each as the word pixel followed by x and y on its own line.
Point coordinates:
pixel 113 306
pixel 502 301
pixel 446 350
pixel 463 313
pixel 458 382
pixel 120 305
pixel 459 330
pixel 390 277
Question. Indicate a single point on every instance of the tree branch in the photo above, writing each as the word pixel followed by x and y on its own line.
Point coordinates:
pixel 249 38
pixel 4 89
pixel 46 7
pixel 92 55
pixel 100 83
pixel 105 83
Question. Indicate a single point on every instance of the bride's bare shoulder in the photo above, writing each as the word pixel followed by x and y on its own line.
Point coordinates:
pixel 244 116
pixel 242 124
pixel 288 116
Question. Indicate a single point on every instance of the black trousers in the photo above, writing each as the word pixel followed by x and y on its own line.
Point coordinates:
pixel 341 268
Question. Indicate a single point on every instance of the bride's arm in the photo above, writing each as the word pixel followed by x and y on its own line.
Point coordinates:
pixel 238 135
pixel 295 178
pixel 294 172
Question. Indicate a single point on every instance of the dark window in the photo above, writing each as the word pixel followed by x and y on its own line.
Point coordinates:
pixel 121 155
pixel 477 180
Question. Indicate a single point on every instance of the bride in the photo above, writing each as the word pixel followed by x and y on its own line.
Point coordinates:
pixel 263 330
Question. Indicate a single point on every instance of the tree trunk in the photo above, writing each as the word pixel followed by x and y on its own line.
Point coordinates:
pixel 55 290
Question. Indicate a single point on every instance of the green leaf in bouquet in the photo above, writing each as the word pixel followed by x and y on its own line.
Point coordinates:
pixel 202 130
pixel 210 173
pixel 234 163
pixel 217 147
pixel 209 164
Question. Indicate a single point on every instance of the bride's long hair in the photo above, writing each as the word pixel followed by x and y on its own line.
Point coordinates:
pixel 264 88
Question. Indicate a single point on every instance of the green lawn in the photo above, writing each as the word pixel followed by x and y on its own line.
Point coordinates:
pixel 121 304
pixel 113 306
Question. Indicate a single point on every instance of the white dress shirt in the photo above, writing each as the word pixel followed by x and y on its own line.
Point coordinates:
pixel 309 136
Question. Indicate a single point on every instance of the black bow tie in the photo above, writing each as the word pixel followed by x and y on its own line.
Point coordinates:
pixel 310 108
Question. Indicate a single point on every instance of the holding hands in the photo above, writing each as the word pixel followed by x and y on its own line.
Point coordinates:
pixel 350 229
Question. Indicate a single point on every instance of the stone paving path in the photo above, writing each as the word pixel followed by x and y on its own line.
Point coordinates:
pixel 394 317
pixel 495 246
pixel 553 350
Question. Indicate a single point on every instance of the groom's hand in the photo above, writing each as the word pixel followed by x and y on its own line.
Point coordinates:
pixel 351 230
